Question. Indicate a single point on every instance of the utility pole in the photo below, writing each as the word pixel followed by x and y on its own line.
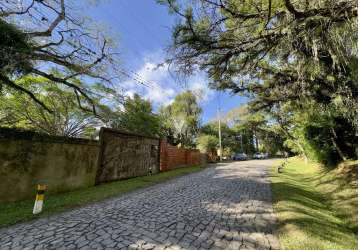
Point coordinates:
pixel 219 118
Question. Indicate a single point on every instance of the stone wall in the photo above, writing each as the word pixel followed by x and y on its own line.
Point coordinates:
pixel 28 159
pixel 65 164
pixel 172 157
pixel 212 156
pixel 124 155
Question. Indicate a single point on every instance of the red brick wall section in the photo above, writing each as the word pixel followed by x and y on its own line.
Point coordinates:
pixel 172 157
pixel 163 156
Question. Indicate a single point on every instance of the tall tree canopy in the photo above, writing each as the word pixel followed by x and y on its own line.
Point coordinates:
pixel 315 132
pixel 136 116
pixel 278 50
pixel 302 54
pixel 181 119
pixel 207 143
pixel 244 131
pixel 66 119
pixel 37 36
pixel 229 140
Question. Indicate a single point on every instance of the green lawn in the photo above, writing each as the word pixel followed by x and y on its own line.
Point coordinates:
pixel 14 212
pixel 310 218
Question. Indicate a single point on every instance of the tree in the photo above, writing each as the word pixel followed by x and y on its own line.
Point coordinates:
pixel 229 140
pixel 207 143
pixel 278 52
pixel 318 133
pixel 273 140
pixel 66 119
pixel 181 119
pixel 253 132
pixel 136 116
pixel 245 139
pixel 248 125
pixel 37 36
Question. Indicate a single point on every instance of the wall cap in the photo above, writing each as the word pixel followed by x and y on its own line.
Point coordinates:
pixel 123 132
pixel 23 134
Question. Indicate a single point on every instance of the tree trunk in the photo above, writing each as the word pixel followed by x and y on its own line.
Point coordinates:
pixel 339 151
pixel 256 142
pixel 296 142
pixel 302 151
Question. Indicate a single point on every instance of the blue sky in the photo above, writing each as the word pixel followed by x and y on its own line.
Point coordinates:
pixel 143 31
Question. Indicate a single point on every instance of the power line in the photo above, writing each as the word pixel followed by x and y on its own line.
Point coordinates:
pixel 151 83
pixel 137 78
pixel 140 79
pixel 130 73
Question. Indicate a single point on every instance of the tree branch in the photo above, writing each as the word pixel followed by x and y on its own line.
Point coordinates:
pixel 53 25
pixel 71 85
pixel 291 9
pixel 26 10
pixel 5 80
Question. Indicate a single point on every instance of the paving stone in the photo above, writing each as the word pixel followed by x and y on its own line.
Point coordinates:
pixel 224 207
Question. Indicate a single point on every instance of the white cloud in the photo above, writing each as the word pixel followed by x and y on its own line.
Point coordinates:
pixel 199 86
pixel 129 93
pixel 156 83
pixel 160 88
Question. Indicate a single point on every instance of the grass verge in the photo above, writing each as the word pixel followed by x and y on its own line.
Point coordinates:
pixel 309 217
pixel 14 212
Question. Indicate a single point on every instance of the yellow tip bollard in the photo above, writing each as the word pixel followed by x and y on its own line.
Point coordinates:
pixel 39 199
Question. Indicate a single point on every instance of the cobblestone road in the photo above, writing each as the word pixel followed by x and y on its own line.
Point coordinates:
pixel 226 207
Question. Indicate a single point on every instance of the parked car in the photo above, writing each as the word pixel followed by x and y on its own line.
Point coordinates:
pixel 256 156
pixel 240 157
pixel 260 156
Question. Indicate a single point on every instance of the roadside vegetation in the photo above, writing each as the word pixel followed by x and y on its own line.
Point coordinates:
pixel 317 208
pixel 14 212
pixel 297 61
pixel 242 132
